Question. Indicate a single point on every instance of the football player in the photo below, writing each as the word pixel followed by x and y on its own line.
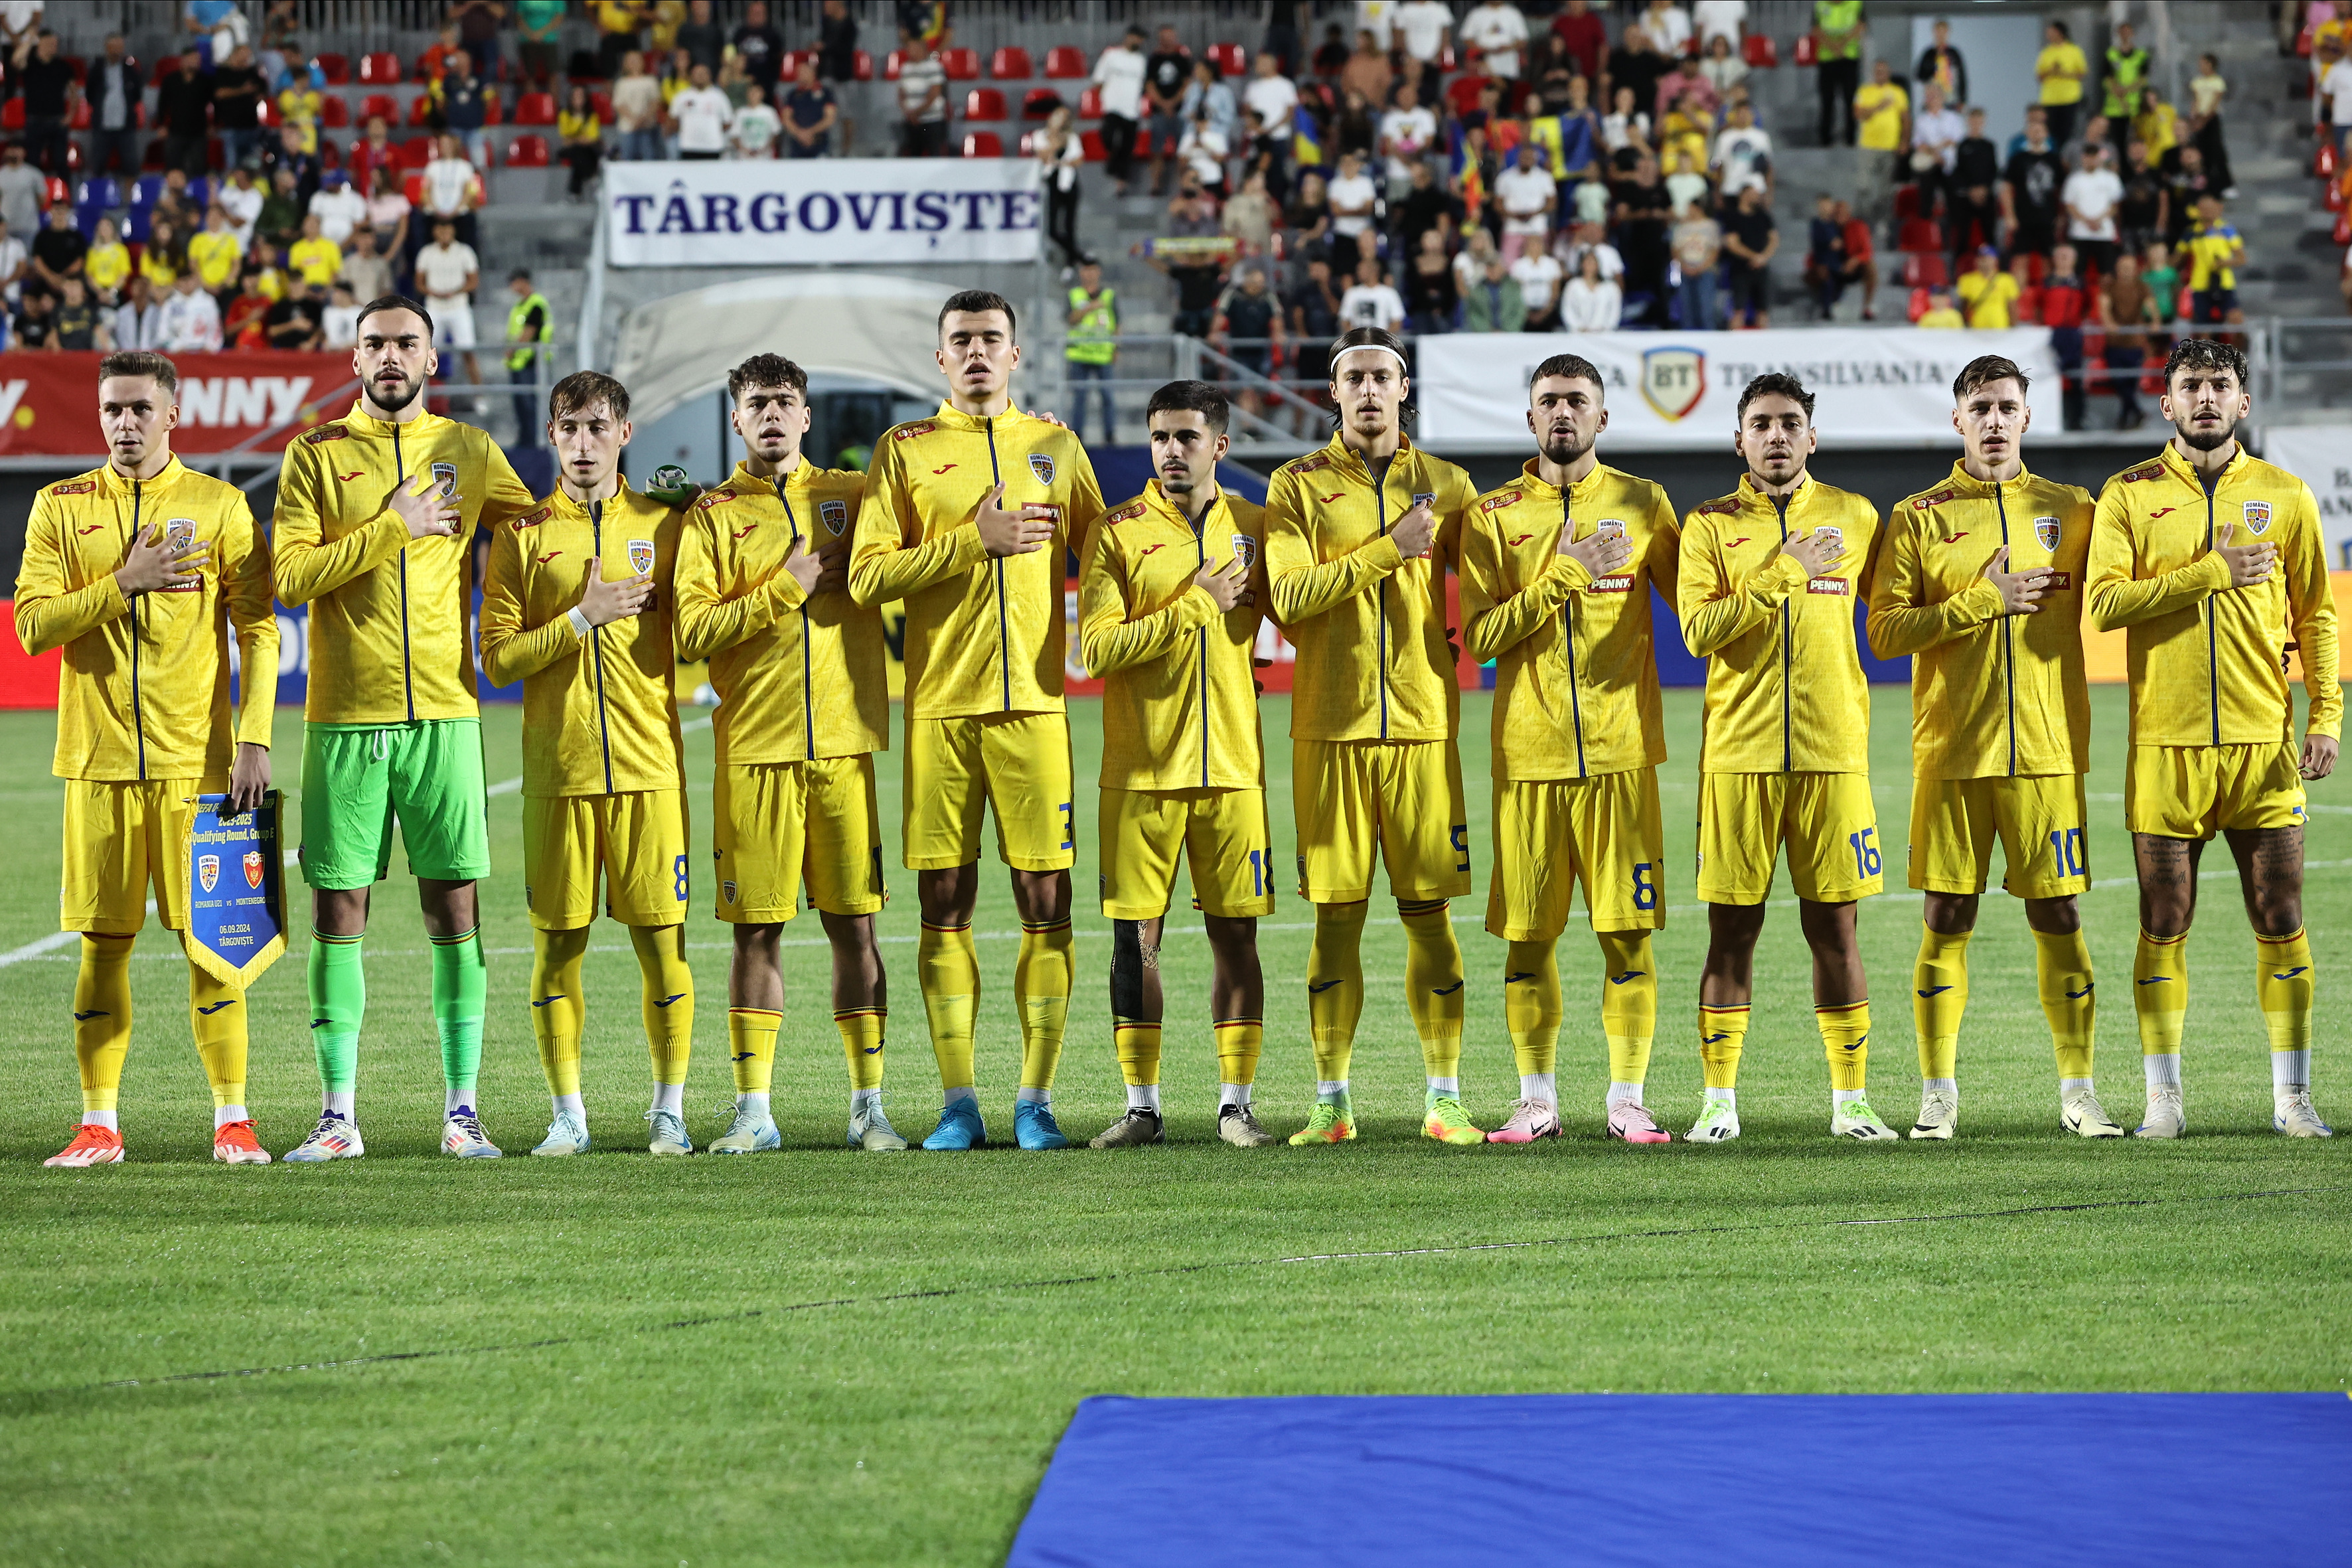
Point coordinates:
pixel 803 705
pixel 1768 599
pixel 375 515
pixel 1357 539
pixel 578 608
pixel 2214 562
pixel 968 516
pixel 1981 584
pixel 1556 568
pixel 1168 617
pixel 140 570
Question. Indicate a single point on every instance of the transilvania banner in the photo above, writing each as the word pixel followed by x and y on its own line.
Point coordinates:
pixel 769 212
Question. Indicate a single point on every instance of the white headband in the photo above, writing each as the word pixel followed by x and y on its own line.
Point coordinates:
pixel 1402 369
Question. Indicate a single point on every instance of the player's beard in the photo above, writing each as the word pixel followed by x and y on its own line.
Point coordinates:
pixel 2206 440
pixel 1567 449
pixel 391 400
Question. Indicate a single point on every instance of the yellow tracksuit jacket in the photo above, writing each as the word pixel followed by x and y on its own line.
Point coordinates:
pixel 1374 662
pixel 1785 692
pixel 599 712
pixel 1180 684
pixel 798 678
pixel 1576 677
pixel 1991 694
pixel 2209 661
pixel 388 638
pixel 985 635
pixel 143 691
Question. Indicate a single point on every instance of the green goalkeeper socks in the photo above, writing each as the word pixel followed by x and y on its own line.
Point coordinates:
pixel 460 986
pixel 338 1005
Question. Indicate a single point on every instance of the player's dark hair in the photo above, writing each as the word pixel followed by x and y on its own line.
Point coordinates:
pixel 141 362
pixel 1983 370
pixel 2205 353
pixel 763 371
pixel 396 302
pixel 1574 367
pixel 1194 397
pixel 582 390
pixel 1776 383
pixel 972 302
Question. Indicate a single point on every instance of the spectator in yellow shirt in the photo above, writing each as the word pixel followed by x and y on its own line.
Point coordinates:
pixel 2060 69
pixel 1883 110
pixel 214 252
pixel 1939 312
pixel 2158 123
pixel 314 257
pixel 108 263
pixel 1988 293
pixel 160 261
pixel 300 103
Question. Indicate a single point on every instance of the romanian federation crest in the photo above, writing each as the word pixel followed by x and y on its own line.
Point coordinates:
pixel 1672 381
pixel 208 872
pixel 1042 465
pixel 2258 515
pixel 1609 527
pixel 180 533
pixel 1245 551
pixel 446 476
pixel 2045 529
pixel 641 556
pixel 834 514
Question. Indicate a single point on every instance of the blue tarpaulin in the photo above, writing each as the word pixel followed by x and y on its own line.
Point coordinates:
pixel 1974 1479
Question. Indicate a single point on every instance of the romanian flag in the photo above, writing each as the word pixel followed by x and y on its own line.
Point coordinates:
pixel 1306 143
pixel 935 29
pixel 1469 173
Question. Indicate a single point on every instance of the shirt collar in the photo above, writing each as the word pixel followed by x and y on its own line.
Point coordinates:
pixel 114 483
pixel 1159 499
pixel 360 420
pixel 953 418
pixel 2173 460
pixel 1968 484
pixel 1749 495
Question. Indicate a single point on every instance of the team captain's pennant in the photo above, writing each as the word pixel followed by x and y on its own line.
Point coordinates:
pixel 236 896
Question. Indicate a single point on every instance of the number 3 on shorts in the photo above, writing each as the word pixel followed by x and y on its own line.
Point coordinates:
pixel 1069 829
pixel 677 870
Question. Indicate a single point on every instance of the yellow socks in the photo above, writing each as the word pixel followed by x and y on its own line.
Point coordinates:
pixel 216 1018
pixel 103 1022
pixel 668 998
pixel 1239 1040
pixel 1722 1031
pixel 1042 977
pixel 1939 994
pixel 949 972
pixel 1137 1043
pixel 557 1008
pixel 1335 990
pixel 2160 1002
pixel 1532 1009
pixel 1846 1037
pixel 2282 985
pixel 1629 1008
pixel 751 1045
pixel 861 1044
pixel 2062 970
pixel 1433 990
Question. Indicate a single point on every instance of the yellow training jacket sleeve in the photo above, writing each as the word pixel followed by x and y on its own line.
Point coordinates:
pixel 1666 550
pixel 1713 612
pixel 1302 587
pixel 2310 615
pixel 1899 624
pixel 508 497
pixel 2116 600
pixel 302 567
pixel 1497 620
pixel 709 622
pixel 48 615
pixel 882 565
pixel 253 616
pixel 1107 639
pixel 511 649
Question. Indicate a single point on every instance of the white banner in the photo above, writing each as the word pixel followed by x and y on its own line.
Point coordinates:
pixel 2321 456
pixel 768 211
pixel 1682 389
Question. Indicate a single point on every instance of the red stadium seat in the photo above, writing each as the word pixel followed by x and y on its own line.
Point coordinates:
pixel 1010 64
pixel 1757 49
pixel 983 144
pixel 380 68
pixel 1039 102
pixel 1806 52
pixel 1231 59
pixel 1065 62
pixel 1925 271
pixel 73 156
pixel 335 112
pixel 166 67
pixel 2322 161
pixel 864 71
pixel 55 192
pixel 1447 63
pixel 2037 267
pixel 1906 202
pixel 336 68
pixel 527 152
pixel 416 152
pixel 1919 234
pixel 535 108
pixel 962 64
pixel 1918 304
pixel 984 104
pixel 890 64
pixel 414 188
pixel 602 104
pixel 420 109
pixel 266 114
pixel 1090 104
pixel 1091 143
pixel 80 119
pixel 380 106
pixel 12 115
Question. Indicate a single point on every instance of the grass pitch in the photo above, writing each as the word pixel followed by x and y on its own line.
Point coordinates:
pixel 817 1356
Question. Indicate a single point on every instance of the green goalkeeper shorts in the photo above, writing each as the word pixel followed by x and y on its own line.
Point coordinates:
pixel 427 776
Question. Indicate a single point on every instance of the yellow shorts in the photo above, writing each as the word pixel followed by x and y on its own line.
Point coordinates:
pixel 123 839
pixel 1826 820
pixel 2195 792
pixel 637 839
pixel 2039 821
pixel 1399 798
pixel 781 823
pixel 1604 832
pixel 1019 763
pixel 1224 833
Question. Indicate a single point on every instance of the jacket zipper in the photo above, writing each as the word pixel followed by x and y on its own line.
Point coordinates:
pixel 1567 627
pixel 808 687
pixel 138 716
pixel 1003 636
pixel 1380 512
pixel 2212 629
pixel 1788 642
pixel 596 647
pixel 2008 639
pixel 407 675
pixel 1200 557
